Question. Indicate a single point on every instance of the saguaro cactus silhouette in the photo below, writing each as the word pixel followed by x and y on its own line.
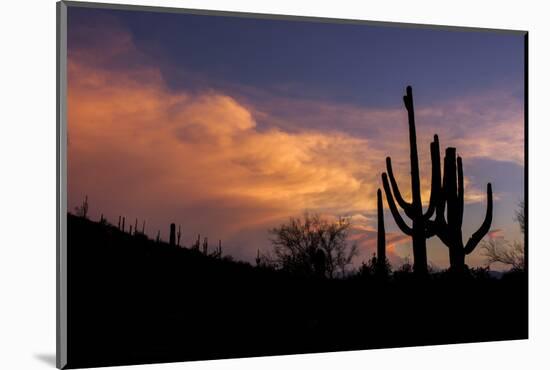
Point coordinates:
pixel 258 259
pixel 381 242
pixel 449 230
pixel 205 246
pixel 414 209
pixel 197 243
pixel 172 234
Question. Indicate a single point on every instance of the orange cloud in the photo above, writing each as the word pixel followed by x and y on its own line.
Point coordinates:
pixel 144 151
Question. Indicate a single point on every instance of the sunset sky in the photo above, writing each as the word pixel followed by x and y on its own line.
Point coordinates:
pixel 228 125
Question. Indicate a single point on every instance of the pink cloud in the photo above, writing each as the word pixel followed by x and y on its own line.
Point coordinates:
pixel 495 234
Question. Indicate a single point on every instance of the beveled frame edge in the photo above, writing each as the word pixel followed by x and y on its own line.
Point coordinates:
pixel 61 185
pixel 287 17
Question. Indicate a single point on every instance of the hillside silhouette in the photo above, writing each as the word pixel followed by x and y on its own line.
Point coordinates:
pixel 134 300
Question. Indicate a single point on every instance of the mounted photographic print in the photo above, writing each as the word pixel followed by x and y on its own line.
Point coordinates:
pixel 236 185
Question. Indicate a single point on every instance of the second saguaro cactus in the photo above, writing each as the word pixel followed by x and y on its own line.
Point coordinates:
pixel 413 209
pixel 449 229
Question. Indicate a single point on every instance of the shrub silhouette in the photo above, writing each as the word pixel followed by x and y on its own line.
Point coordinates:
pixel 413 209
pixel 505 252
pixel 296 245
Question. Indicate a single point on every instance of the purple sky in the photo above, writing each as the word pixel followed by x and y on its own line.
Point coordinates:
pixel 228 126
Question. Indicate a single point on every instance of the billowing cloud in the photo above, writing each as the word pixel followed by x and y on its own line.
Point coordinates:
pixel 139 149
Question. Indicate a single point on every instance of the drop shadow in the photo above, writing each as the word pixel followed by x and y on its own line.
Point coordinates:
pixel 47 358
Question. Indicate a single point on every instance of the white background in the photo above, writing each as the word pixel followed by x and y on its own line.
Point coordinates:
pixel 27 183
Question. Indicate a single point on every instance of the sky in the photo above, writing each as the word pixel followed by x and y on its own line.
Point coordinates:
pixel 230 125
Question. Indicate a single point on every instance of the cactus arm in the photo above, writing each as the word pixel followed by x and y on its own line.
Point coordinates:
pixel 393 208
pixel 415 172
pixel 450 187
pixel 460 204
pixel 407 207
pixel 485 226
pixel 436 178
pixel 442 202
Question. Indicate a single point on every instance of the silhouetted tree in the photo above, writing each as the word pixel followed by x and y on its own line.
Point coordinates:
pixel 505 252
pixel 448 225
pixel 296 245
pixel 413 209
pixel 502 251
pixel 319 263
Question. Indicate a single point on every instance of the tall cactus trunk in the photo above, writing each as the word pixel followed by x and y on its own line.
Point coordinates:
pixel 418 227
pixel 414 209
pixel 457 259
pixel 419 247
pixel 381 242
